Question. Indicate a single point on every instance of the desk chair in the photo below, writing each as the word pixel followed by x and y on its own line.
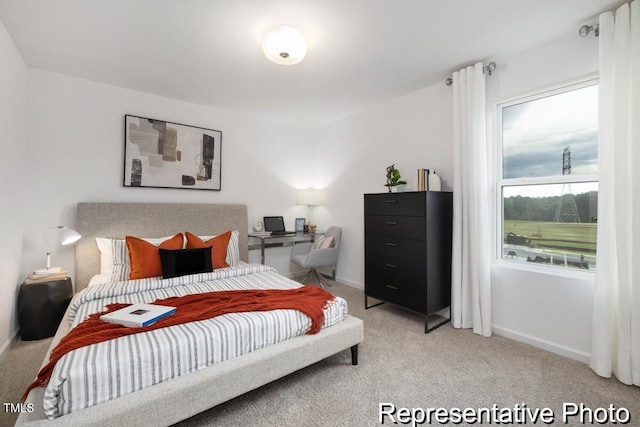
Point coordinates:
pixel 321 253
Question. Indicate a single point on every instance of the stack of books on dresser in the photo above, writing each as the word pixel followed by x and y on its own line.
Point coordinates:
pixel 423 175
pixel 428 180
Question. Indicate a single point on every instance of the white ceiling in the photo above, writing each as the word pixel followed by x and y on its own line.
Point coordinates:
pixel 361 52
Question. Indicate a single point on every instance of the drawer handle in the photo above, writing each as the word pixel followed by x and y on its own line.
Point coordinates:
pixel 393 245
pixel 391 222
pixel 391 201
pixel 395 288
pixel 391 265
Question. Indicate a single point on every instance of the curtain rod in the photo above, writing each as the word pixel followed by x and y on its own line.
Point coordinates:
pixel 583 31
pixel 489 68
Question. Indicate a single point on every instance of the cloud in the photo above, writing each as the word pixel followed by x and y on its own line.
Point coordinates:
pixel 535 134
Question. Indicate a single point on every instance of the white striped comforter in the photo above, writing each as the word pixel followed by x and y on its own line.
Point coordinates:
pixel 100 372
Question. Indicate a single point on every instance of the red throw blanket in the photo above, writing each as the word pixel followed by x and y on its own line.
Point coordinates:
pixel 310 300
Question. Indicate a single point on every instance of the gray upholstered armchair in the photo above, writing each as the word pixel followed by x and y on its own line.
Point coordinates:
pixel 316 255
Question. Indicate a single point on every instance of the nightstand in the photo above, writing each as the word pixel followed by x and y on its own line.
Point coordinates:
pixel 41 306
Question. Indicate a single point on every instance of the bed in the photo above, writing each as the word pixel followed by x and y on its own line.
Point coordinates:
pixel 181 397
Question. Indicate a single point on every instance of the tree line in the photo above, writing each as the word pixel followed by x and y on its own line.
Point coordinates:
pixel 525 208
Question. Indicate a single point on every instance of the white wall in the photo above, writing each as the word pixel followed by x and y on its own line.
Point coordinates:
pixel 63 140
pixel 351 156
pixel 547 310
pixel 13 87
pixel 75 152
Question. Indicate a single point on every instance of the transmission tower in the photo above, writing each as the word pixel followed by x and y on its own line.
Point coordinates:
pixel 567 211
pixel 566 161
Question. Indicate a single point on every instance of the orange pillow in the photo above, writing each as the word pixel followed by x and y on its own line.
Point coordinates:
pixel 218 247
pixel 145 257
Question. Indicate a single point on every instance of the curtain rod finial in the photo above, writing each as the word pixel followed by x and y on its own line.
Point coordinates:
pixel 586 29
pixel 490 67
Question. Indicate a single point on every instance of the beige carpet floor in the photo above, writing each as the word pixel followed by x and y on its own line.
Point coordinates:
pixel 398 364
pixel 19 365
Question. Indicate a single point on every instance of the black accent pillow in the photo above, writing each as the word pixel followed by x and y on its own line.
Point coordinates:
pixel 180 262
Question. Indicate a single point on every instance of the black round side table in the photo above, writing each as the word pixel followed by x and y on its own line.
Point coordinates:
pixel 41 306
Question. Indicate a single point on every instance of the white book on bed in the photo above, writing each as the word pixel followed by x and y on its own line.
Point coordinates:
pixel 138 315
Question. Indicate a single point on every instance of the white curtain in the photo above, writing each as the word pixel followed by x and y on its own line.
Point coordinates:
pixel 471 286
pixel 616 311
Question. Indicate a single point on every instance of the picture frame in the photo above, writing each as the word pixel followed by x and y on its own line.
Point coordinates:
pixel 163 154
pixel 300 225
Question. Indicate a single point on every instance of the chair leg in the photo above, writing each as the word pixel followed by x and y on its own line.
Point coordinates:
pixel 307 276
pixel 321 281
pixel 315 272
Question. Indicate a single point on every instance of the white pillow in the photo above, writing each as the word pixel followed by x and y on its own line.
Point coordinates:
pixel 317 242
pixel 233 249
pixel 114 256
pixel 327 243
pixel 323 242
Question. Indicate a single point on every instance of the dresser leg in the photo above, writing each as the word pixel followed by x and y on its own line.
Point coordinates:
pixel 366 303
pixel 428 329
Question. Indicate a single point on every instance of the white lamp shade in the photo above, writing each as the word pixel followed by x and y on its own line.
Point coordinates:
pixel 284 45
pixel 69 236
pixel 309 197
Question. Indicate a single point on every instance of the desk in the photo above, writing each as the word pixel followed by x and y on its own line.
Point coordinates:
pixel 262 242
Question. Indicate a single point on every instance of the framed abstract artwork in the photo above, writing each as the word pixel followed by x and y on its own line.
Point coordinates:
pixel 170 155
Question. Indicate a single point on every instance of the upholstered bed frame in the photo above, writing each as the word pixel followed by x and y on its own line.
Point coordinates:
pixel 180 398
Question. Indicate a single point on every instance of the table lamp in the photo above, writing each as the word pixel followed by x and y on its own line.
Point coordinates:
pixel 309 197
pixel 65 236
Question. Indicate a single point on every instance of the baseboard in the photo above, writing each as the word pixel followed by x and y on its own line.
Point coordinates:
pixel 571 353
pixel 350 283
pixel 8 343
pixel 342 280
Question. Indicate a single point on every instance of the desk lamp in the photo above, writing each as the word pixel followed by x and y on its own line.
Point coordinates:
pixel 65 236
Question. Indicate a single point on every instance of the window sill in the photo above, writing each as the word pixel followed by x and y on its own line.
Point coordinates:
pixel 549 270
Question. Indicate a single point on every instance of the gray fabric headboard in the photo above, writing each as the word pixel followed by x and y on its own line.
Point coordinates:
pixel 117 220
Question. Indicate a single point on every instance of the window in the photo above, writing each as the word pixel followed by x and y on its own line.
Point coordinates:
pixel 549 177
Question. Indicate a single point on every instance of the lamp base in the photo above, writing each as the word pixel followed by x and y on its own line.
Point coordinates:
pixel 45 271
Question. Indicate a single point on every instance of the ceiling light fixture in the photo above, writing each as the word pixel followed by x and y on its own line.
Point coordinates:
pixel 284 45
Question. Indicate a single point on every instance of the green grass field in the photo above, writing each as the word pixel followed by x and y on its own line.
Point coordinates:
pixel 572 237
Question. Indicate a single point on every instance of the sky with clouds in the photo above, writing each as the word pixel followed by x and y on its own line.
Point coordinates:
pixel 535 134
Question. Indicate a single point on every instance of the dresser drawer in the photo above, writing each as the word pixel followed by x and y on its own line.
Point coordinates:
pixel 411 204
pixel 394 270
pixel 396 248
pixel 399 282
pixel 409 227
pixel 411 299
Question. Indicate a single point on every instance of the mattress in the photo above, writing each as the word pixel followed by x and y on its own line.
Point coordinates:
pixel 103 371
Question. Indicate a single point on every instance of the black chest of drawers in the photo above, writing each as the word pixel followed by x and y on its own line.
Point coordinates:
pixel 408 250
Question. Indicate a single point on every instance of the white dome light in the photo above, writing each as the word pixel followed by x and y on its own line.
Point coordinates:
pixel 284 45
